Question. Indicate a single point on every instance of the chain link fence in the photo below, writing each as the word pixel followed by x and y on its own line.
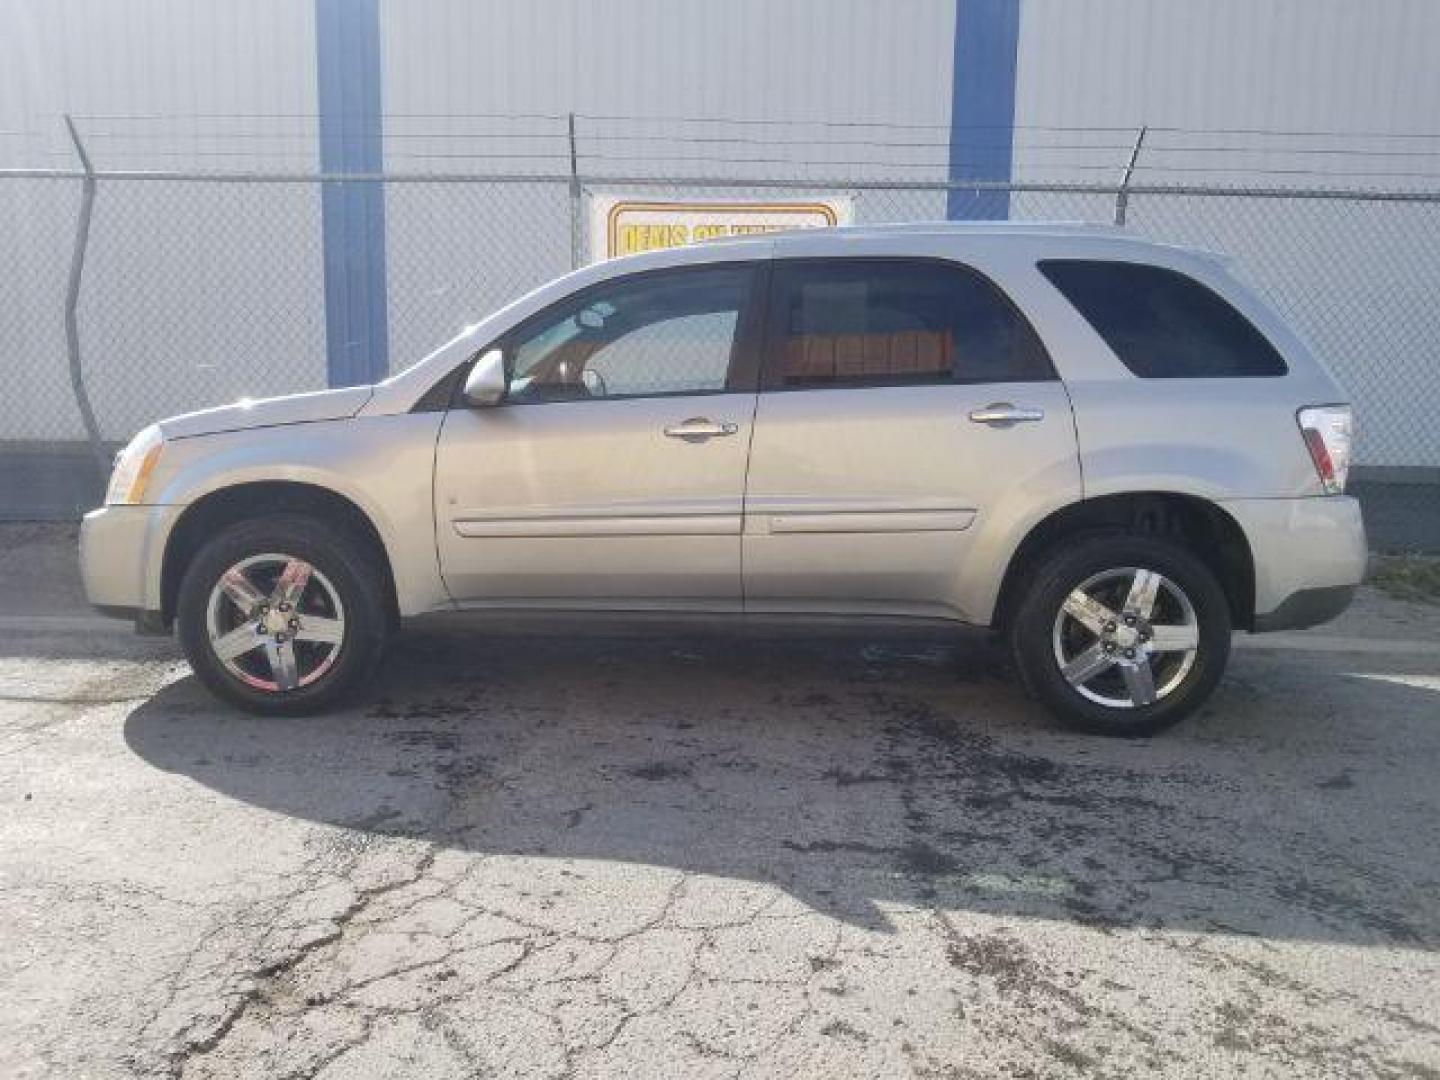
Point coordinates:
pixel 198 289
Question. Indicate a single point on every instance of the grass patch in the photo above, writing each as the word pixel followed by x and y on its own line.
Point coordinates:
pixel 1408 577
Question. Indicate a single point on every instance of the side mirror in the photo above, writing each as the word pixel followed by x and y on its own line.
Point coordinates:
pixel 485 385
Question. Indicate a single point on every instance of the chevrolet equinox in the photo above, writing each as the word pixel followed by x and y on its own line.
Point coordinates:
pixel 1108 449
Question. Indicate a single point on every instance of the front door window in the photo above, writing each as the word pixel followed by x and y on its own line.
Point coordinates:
pixel 655 334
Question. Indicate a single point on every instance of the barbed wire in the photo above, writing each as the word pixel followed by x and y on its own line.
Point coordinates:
pixel 801 145
pixel 768 121
pixel 686 140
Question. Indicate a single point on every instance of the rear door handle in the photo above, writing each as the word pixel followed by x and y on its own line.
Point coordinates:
pixel 700 427
pixel 1003 414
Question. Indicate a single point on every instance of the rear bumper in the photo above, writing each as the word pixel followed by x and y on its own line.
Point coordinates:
pixel 1306 608
pixel 122 551
pixel 1309 555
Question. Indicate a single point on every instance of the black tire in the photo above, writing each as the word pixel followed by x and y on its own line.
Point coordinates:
pixel 347 568
pixel 1033 633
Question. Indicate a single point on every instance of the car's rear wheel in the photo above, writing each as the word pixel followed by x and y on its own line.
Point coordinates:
pixel 1122 634
pixel 282 617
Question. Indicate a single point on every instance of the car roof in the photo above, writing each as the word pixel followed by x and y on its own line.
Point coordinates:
pixel 1039 239
pixel 967 228
pixel 1058 234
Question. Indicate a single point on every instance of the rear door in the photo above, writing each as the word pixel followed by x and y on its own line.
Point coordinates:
pixel 613 472
pixel 904 401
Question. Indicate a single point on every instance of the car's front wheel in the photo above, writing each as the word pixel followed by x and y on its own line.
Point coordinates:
pixel 282 617
pixel 1122 634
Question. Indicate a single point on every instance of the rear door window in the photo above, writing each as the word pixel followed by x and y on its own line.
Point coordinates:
pixel 887 322
pixel 1161 323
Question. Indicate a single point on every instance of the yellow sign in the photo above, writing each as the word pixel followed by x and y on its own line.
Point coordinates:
pixel 625 226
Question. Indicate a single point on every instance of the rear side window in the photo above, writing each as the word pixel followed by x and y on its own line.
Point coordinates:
pixel 1163 324
pixel 879 322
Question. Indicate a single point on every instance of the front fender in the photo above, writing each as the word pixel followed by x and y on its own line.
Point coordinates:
pixel 384 465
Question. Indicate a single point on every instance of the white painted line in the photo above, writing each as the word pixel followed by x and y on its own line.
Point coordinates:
pixel 1335 643
pixel 1416 682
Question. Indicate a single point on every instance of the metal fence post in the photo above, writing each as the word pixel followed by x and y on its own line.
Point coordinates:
pixel 72 303
pixel 1122 197
pixel 576 236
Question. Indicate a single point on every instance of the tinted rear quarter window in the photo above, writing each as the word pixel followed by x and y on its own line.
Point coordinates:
pixel 1163 324
pixel 877 322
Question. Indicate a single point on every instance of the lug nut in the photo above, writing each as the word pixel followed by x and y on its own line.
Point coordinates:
pixel 1110 628
pixel 294 624
pixel 1109 646
pixel 284 607
pixel 1129 654
pixel 1129 620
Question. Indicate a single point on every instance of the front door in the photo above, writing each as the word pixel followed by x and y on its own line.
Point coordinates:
pixel 613 472
pixel 904 400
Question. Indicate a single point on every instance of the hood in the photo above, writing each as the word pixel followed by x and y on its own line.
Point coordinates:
pixel 269 412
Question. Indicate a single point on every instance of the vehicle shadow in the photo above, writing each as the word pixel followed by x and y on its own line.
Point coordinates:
pixel 861 775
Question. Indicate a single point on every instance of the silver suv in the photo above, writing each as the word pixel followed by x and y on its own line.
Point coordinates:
pixel 1108 449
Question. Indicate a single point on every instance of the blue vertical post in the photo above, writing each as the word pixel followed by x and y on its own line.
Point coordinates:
pixel 347 47
pixel 982 106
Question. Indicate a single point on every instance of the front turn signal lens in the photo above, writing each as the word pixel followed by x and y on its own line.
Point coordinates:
pixel 133 467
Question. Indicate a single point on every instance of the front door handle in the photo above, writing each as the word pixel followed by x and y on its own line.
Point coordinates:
pixel 1003 414
pixel 700 427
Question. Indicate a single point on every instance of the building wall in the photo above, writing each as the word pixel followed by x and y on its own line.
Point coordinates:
pixel 798 67
pixel 185 285
pixel 1278 65
pixel 213 291
pixel 138 59
pixel 1284 93
pixel 852 60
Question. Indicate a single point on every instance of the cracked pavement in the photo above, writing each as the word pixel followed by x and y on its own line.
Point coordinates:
pixel 659 854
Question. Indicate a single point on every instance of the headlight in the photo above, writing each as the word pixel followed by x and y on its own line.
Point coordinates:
pixel 133 467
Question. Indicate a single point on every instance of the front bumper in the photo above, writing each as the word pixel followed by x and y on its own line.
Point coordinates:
pixel 1309 555
pixel 122 553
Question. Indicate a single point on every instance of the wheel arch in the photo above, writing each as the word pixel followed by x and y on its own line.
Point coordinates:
pixel 1201 525
pixel 242 501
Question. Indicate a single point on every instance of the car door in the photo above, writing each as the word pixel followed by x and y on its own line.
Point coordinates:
pixel 904 402
pixel 612 472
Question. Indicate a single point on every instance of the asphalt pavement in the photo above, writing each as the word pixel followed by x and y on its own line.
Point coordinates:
pixel 704 854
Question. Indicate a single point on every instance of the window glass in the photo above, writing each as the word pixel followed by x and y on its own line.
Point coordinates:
pixel 666 333
pixel 1163 324
pixel 888 321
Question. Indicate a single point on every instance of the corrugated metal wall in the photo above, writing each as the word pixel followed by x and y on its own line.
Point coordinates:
pixel 1264 92
pixel 175 79
pixel 205 66
pixel 852 60
pixel 1327 65
pixel 487 87
pixel 1292 85
pixel 1279 93
pixel 184 287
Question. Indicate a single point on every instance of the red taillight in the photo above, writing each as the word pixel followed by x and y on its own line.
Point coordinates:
pixel 1315 442
pixel 1327 430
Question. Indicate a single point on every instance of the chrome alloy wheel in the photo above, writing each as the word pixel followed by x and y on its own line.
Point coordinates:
pixel 275 622
pixel 1126 637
